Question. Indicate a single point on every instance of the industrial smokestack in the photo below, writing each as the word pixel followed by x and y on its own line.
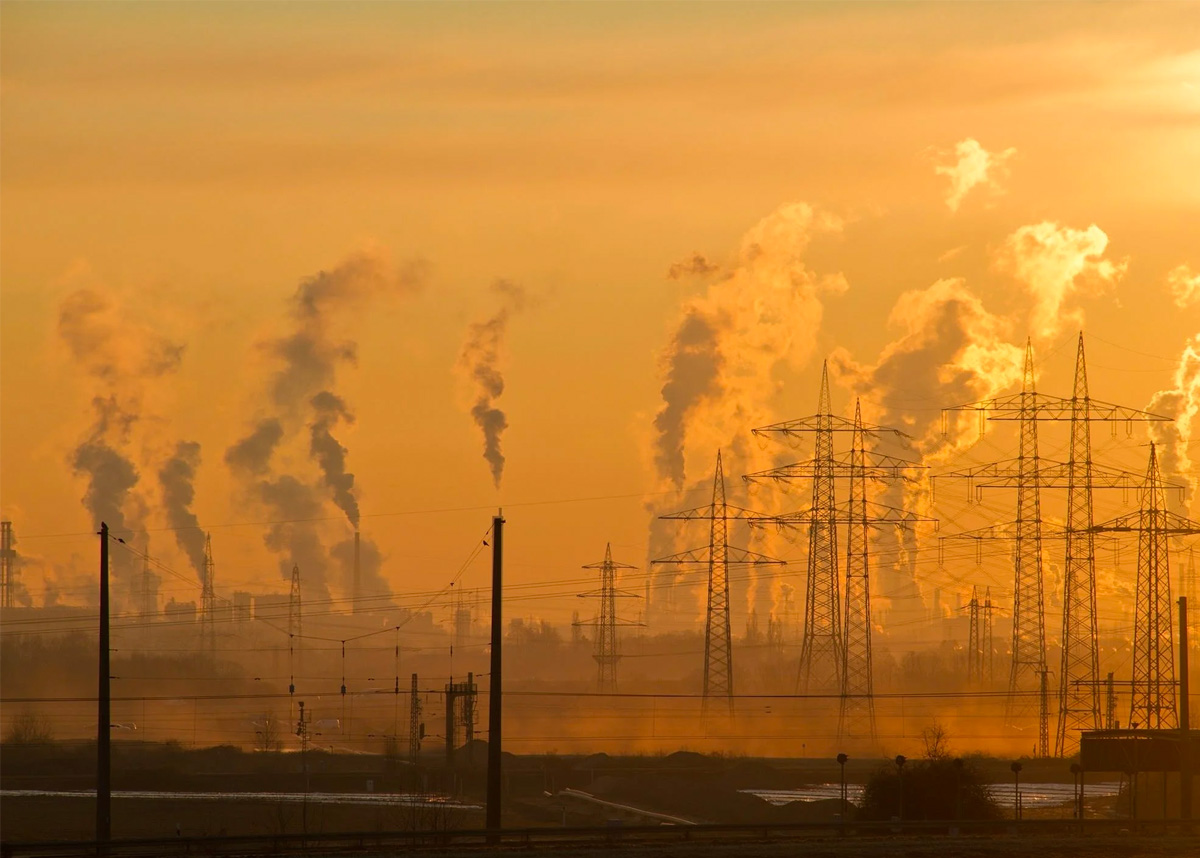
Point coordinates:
pixel 356 583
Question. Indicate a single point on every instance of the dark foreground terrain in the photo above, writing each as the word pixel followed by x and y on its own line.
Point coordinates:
pixel 184 796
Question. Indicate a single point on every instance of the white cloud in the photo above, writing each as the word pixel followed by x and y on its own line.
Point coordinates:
pixel 1184 285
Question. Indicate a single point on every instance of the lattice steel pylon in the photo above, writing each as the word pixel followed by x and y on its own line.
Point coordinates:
pixel 295 626
pixel 718 555
pixel 208 602
pixel 856 684
pixel 989 643
pixel 1153 687
pixel 1029 611
pixel 974 640
pixel 607 651
pixel 414 722
pixel 1079 701
pixel 856 709
pixel 295 607
pixel 1078 680
pixel 823 645
pixel 8 564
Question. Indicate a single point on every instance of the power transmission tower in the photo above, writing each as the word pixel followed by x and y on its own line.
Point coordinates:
pixel 1043 713
pixel 208 603
pixel 295 627
pixel 822 642
pixel 989 644
pixel 1153 687
pixel 607 652
pixel 8 564
pixel 974 640
pixel 823 645
pixel 1110 702
pixel 718 555
pixel 1079 704
pixel 856 684
pixel 415 730
pixel 856 710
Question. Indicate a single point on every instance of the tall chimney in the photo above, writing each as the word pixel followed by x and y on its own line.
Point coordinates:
pixel 357 594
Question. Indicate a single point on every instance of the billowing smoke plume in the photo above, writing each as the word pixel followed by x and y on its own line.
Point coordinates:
pixel 1181 402
pixel 970 166
pixel 310 352
pixel 1184 285
pixel 176 478
pixel 718 368
pixel 1053 262
pixel 480 361
pixel 330 454
pixel 252 454
pixel 120 359
pixel 951 350
pixel 111 476
pixel 693 374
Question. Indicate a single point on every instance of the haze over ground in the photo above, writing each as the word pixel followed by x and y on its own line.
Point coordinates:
pixel 281 230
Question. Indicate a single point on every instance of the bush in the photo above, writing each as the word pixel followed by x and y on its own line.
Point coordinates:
pixel 930 788
pixel 29 728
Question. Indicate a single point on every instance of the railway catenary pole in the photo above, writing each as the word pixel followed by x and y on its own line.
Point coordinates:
pixel 494 680
pixel 1185 725
pixel 103 713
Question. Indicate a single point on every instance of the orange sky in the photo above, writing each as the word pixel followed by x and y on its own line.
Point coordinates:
pixel 193 163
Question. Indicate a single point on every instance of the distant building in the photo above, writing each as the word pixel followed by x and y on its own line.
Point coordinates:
pixel 243 607
pixel 271 606
pixel 179 612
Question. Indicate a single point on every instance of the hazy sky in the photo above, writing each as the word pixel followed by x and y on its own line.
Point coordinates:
pixel 912 189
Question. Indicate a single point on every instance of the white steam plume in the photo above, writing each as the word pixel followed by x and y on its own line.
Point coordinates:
pixel 718 368
pixel 950 350
pixel 1184 285
pixel 1181 402
pixel 1052 263
pixel 968 166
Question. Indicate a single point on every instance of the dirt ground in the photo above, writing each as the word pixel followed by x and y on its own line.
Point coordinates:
pixel 26 818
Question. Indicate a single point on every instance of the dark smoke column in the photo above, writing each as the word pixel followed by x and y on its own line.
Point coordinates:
pixel 479 362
